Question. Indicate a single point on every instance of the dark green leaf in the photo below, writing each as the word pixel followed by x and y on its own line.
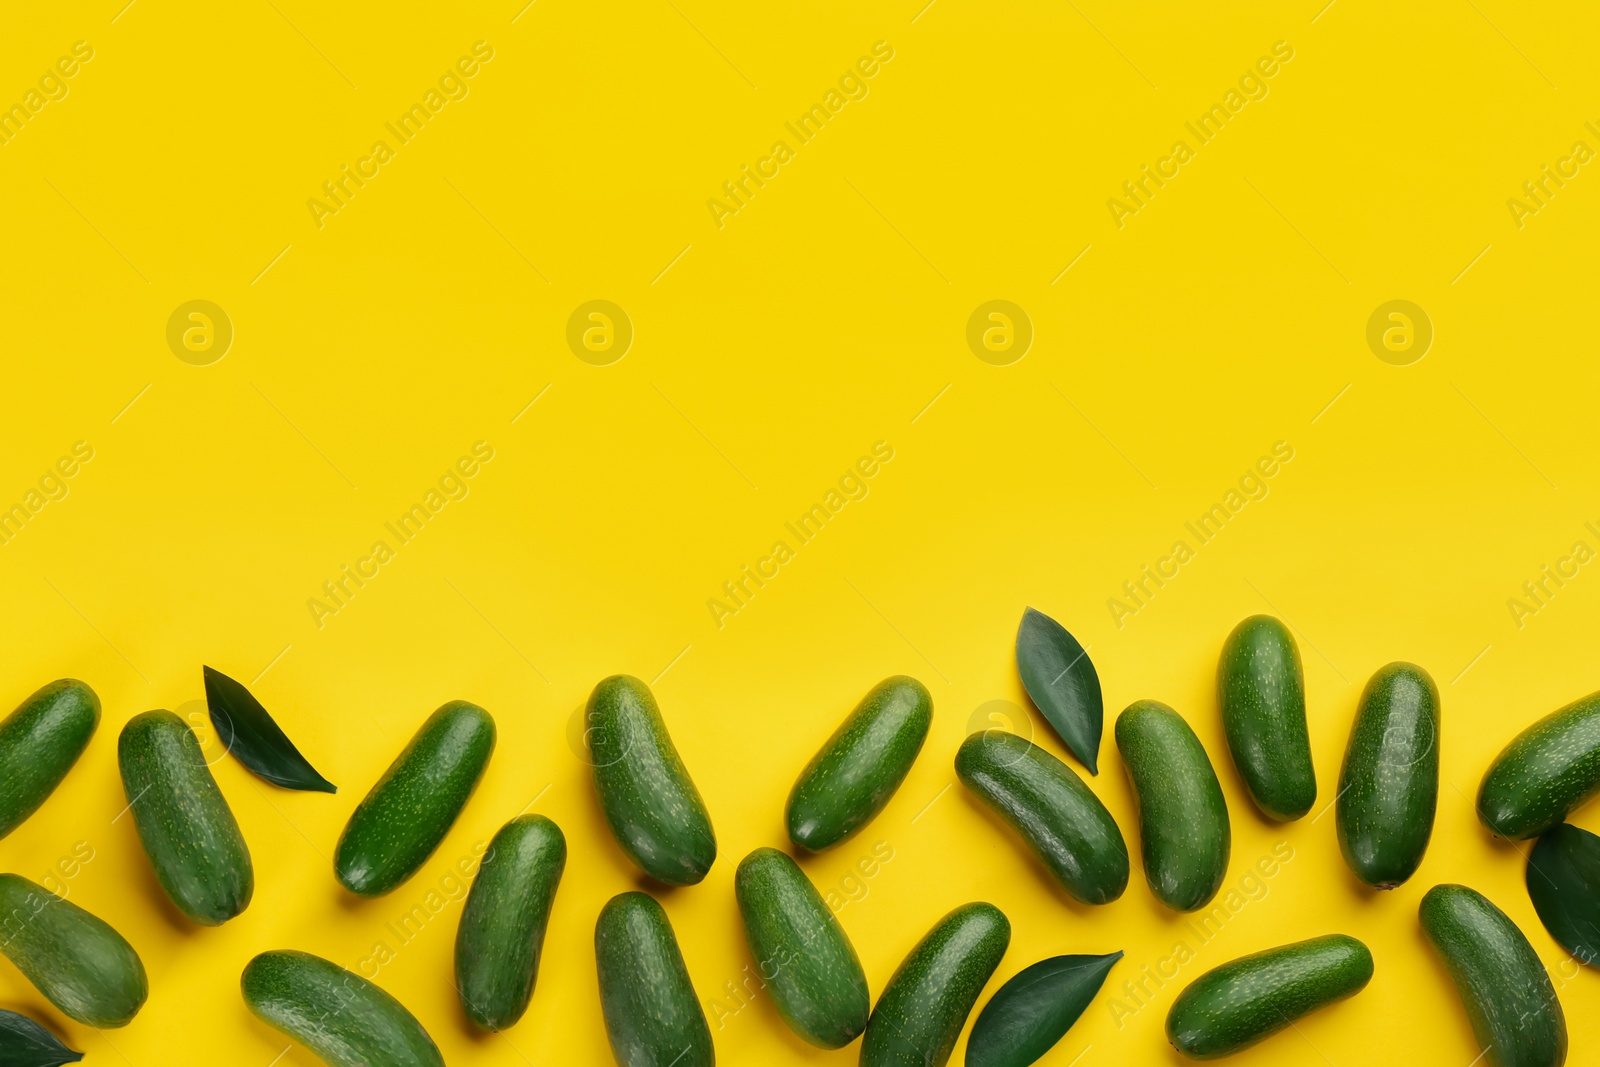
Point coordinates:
pixel 249 733
pixel 1564 882
pixel 1029 1014
pixel 24 1043
pixel 1062 683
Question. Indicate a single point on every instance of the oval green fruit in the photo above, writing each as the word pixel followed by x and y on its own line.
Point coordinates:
pixel 926 1003
pixel 645 791
pixel 1045 802
pixel 859 768
pixel 1546 771
pixel 503 924
pixel 76 960
pixel 802 954
pixel 340 1016
pixel 1184 834
pixel 1261 689
pixel 39 743
pixel 653 1018
pixel 1389 784
pixel 401 821
pixel 184 822
pixel 1515 1015
pixel 1251 998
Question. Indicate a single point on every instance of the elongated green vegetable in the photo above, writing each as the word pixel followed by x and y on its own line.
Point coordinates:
pixel 1389 784
pixel 340 1016
pixel 1053 810
pixel 645 791
pixel 653 1018
pixel 926 1003
pixel 1251 998
pixel 801 951
pixel 184 822
pixel 39 743
pixel 501 935
pixel 1261 688
pixel 859 768
pixel 1546 772
pixel 1515 1015
pixel 75 959
pixel 401 821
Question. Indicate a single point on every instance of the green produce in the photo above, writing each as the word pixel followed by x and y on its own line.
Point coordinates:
pixel 1515 1015
pixel 184 822
pixel 1183 819
pixel 1389 784
pixel 1240 1003
pixel 859 768
pixel 1062 683
pixel 927 1001
pixel 39 743
pixel 653 1017
pixel 1034 1010
pixel 1052 809
pixel 1545 773
pixel 1563 879
pixel 502 926
pixel 401 821
pixel 1261 689
pixel 653 807
pixel 802 954
pixel 338 1015
pixel 77 961
pixel 24 1043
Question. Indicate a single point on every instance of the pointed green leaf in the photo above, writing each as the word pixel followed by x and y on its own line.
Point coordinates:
pixel 24 1043
pixel 1564 882
pixel 1035 1009
pixel 249 733
pixel 1061 681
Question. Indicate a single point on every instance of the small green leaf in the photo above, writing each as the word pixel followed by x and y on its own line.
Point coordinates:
pixel 1564 882
pixel 1035 1009
pixel 249 733
pixel 1061 681
pixel 24 1043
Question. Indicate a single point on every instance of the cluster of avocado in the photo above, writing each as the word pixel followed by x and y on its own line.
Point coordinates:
pixel 1387 797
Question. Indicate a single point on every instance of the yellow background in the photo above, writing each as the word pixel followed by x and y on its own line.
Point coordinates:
pixel 823 317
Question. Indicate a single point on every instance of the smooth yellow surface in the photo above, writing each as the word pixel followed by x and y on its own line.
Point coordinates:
pixel 829 313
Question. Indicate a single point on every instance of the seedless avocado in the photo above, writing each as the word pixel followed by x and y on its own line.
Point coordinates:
pixel 1261 690
pixel 1045 802
pixel 653 1018
pixel 39 743
pixel 184 822
pixel 859 768
pixel 650 802
pixel 1184 833
pixel 1546 771
pixel 401 821
pixel 340 1016
pixel 802 954
pixel 1389 784
pixel 926 1003
pixel 1251 998
pixel 503 923
pixel 75 959
pixel 1515 1015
